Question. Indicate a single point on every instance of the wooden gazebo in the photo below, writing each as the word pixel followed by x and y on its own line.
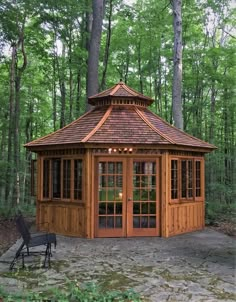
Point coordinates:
pixel 120 171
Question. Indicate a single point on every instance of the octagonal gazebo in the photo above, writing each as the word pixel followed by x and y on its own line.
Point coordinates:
pixel 120 171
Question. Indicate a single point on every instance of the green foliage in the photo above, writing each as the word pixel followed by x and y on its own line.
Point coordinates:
pixel 73 292
pixel 8 212
pixel 217 212
pixel 141 54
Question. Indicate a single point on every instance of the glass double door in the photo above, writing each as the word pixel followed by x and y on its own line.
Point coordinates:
pixel 127 197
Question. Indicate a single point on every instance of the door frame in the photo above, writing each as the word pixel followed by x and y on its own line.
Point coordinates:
pixel 127 213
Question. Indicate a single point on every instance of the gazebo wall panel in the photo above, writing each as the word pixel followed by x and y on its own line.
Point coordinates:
pixel 185 217
pixel 65 219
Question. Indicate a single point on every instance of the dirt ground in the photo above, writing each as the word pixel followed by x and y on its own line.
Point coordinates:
pixel 8 234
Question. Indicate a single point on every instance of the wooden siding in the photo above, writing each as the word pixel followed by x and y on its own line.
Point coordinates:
pixel 62 218
pixel 185 217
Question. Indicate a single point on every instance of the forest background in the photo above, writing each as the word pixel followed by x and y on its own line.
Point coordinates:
pixel 44 78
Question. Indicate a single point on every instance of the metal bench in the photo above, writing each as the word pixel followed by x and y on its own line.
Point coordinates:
pixel 45 240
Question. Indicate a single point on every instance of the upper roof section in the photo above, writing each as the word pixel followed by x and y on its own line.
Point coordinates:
pixel 120 94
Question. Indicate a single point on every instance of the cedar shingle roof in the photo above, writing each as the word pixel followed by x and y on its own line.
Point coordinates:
pixel 119 124
pixel 120 90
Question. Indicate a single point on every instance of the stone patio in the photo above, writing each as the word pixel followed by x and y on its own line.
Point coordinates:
pixel 197 266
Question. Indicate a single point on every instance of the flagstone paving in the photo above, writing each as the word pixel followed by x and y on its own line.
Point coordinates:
pixel 198 266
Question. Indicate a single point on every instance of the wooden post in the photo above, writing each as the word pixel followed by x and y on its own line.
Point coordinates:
pixel 88 195
pixel 165 195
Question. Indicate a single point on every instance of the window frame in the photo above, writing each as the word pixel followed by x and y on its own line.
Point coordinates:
pixel 71 186
pixel 194 196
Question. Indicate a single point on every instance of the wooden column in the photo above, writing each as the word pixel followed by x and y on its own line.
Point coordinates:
pixel 89 231
pixel 164 195
pixel 39 186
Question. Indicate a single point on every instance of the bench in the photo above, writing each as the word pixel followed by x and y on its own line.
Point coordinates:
pixel 43 240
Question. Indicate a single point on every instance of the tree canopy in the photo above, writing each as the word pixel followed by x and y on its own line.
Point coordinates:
pixel 44 66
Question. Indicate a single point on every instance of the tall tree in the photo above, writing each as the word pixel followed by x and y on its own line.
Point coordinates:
pixel 94 48
pixel 177 58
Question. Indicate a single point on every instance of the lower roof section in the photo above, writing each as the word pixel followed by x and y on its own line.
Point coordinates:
pixel 119 125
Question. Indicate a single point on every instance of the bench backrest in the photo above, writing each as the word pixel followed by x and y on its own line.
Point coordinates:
pixel 23 229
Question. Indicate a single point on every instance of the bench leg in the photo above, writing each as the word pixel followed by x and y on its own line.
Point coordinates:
pixel 17 255
pixel 47 255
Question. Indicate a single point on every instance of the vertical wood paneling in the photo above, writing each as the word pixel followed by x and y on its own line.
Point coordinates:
pixel 186 217
pixel 65 219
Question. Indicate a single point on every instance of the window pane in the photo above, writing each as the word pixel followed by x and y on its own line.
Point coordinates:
pixel 136 208
pixel 102 208
pixel 152 221
pixel 144 221
pixel 102 168
pixel 46 165
pixel 119 181
pixel 136 195
pixel 118 222
pixel 184 178
pixel 56 178
pixel 119 208
pixel 190 178
pixel 152 208
pixel 102 222
pixel 78 179
pixel 145 208
pixel 33 177
pixel 136 222
pixel 174 179
pixel 152 194
pixel 110 208
pixel 119 168
pixel 66 178
pixel 110 222
pixel 198 178
pixel 111 168
pixel 111 181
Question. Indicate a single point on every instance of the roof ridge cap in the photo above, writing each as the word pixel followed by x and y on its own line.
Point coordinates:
pixel 58 130
pixel 153 127
pixel 133 92
pixel 97 94
pixel 116 87
pixel 100 123
pixel 182 131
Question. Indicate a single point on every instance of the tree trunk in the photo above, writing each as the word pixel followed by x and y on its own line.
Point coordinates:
pixel 9 170
pixel 54 92
pixel 140 67
pixel 70 75
pixel 177 74
pixel 107 49
pixel 94 48
pixel 19 73
pixel 61 76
